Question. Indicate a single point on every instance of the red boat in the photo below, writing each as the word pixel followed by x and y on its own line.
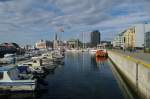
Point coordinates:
pixel 101 53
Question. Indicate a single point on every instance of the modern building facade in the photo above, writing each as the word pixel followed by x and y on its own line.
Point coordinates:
pixel 119 40
pixel 147 40
pixel 133 37
pixel 129 38
pixel 138 34
pixel 44 44
pixel 74 43
pixel 95 38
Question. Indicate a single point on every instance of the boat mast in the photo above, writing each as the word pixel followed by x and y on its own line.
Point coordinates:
pixel 83 40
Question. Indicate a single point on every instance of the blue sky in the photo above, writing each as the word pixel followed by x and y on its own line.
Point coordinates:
pixel 27 21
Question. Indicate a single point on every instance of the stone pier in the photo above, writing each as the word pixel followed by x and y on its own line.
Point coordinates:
pixel 135 72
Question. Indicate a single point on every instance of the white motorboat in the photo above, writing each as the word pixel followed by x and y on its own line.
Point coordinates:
pixel 48 56
pixel 11 81
pixel 57 55
pixel 8 58
pixel 34 66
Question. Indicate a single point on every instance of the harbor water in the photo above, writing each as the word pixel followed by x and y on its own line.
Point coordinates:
pixel 83 76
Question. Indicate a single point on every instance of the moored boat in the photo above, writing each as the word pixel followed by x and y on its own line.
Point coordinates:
pixel 47 56
pixel 101 53
pixel 8 58
pixel 11 81
pixel 34 66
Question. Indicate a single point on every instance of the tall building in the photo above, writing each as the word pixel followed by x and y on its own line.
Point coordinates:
pixel 95 38
pixel 147 39
pixel 55 42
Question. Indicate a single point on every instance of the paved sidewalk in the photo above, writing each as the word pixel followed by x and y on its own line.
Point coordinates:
pixel 138 55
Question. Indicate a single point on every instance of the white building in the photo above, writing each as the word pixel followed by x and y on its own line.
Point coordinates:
pixel 138 38
pixel 140 30
pixel 119 40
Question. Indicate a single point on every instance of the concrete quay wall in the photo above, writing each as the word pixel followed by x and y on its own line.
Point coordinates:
pixel 135 72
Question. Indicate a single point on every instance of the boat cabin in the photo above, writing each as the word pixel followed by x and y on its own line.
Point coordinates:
pixel 7 74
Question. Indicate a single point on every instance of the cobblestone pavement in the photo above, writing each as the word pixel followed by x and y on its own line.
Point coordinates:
pixel 136 54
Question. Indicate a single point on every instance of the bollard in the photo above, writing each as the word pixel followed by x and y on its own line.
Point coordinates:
pixel 137 70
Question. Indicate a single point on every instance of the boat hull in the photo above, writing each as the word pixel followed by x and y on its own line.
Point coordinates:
pixel 12 86
pixel 101 53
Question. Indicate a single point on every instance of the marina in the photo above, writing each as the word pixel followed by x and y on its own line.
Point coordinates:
pixel 83 75
pixel 74 49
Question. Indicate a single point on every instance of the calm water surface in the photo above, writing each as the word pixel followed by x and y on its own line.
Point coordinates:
pixel 81 77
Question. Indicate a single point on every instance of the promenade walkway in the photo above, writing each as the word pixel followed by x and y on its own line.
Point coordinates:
pixel 138 55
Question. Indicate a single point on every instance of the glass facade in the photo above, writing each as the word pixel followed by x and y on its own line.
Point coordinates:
pixel 147 39
pixel 95 38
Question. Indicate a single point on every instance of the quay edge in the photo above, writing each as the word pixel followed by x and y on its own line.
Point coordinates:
pixel 136 73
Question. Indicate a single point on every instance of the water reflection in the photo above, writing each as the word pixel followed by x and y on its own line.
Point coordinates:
pixel 42 89
pixel 98 62
pixel 24 95
pixel 101 59
pixel 17 95
pixel 83 76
